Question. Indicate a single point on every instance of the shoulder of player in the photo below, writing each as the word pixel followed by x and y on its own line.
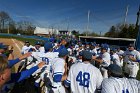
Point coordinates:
pixel 49 54
pixel 135 51
pixel 59 60
pixel 77 64
pixel 109 80
pixel 115 55
pixel 106 54
pixel 134 81
pixel 74 65
pixel 93 68
pixel 106 81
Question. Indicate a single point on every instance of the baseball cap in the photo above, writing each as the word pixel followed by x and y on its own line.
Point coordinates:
pixel 87 43
pixel 37 43
pixel 48 46
pixel 63 52
pixel 2 46
pixel 52 39
pixel 131 45
pixel 113 49
pixel 115 69
pixel 26 41
pixel 104 46
pixel 93 44
pixel 86 54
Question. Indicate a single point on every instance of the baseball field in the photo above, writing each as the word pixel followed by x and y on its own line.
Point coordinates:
pixel 18 44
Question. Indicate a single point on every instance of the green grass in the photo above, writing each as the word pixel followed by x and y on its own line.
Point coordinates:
pixel 32 41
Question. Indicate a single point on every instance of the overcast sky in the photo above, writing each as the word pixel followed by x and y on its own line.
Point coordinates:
pixel 61 14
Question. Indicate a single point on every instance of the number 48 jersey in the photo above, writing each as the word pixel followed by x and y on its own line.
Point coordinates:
pixel 84 78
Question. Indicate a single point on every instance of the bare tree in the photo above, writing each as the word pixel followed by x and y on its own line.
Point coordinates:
pixel 25 27
pixel 4 20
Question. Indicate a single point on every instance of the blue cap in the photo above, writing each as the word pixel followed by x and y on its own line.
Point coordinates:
pixel 2 46
pixel 26 41
pixel 87 43
pixel 48 46
pixel 37 43
pixel 87 54
pixel 105 46
pixel 114 68
pixel 113 49
pixel 63 52
pixel 93 44
pixel 51 39
pixel 131 45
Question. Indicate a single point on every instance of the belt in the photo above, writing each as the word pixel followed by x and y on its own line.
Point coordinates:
pixel 134 63
pixel 52 86
pixel 130 63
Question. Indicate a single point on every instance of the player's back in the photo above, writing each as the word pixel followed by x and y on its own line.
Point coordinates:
pixel 85 78
pixel 133 86
pixel 120 85
pixel 115 59
pixel 106 58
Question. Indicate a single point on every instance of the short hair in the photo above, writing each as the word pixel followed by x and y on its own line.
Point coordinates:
pixel 3 63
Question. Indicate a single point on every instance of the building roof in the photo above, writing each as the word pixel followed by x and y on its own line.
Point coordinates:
pixel 40 30
pixel 109 38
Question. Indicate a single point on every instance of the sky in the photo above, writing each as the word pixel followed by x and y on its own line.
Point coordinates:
pixel 72 14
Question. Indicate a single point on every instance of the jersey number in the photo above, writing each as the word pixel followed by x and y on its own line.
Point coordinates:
pixel 123 91
pixel 83 79
pixel 45 60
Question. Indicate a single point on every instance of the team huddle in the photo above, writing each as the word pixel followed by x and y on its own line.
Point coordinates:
pixel 77 68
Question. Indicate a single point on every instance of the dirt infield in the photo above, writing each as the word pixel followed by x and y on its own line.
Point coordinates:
pixel 17 47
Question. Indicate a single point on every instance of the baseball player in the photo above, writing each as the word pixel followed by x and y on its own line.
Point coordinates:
pixel 104 60
pixel 119 51
pixel 26 47
pixel 117 84
pixel 114 57
pixel 130 57
pixel 59 71
pixel 47 57
pixel 37 47
pixel 94 50
pixel 120 54
pixel 83 77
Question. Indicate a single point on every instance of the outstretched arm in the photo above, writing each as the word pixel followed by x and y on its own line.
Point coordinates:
pixel 17 77
pixel 13 62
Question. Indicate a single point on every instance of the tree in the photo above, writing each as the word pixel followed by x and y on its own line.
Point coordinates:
pixel 94 34
pixel 25 27
pixel 112 32
pixel 122 31
pixel 4 21
pixel 74 32
pixel 12 27
pixel 89 34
